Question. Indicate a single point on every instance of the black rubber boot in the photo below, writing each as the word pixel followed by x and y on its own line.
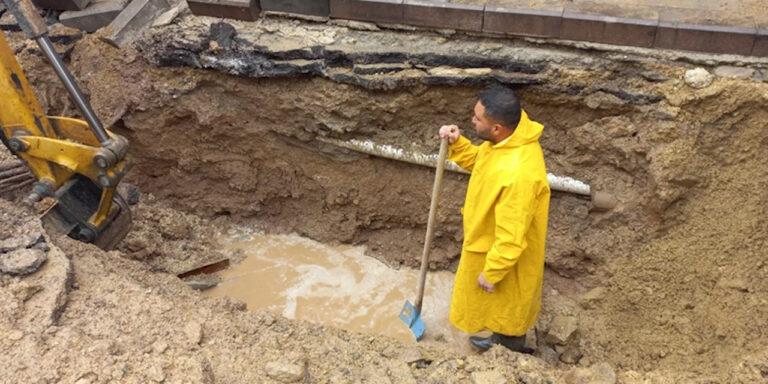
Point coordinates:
pixel 514 343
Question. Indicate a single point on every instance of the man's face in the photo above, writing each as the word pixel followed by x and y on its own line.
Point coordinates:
pixel 483 126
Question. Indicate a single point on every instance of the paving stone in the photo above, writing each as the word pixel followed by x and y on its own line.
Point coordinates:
pixel 62 5
pixel 379 11
pixel 304 7
pixel 443 15
pixel 715 38
pixel 633 32
pixel 530 22
pixel 582 27
pixel 93 17
pixel 132 20
pixel 248 10
pixel 761 43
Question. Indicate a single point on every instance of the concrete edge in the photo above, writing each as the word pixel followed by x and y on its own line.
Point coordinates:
pixel 565 25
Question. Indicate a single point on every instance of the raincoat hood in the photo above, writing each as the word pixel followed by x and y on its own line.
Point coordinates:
pixel 527 131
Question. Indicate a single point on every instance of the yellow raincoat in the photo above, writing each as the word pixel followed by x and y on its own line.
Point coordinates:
pixel 505 226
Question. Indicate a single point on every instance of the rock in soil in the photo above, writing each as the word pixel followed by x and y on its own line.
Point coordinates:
pixel 698 78
pixel 562 329
pixel 22 261
pixel 285 372
pixel 203 282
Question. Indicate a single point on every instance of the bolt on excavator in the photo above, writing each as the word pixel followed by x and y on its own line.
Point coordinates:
pixel 78 163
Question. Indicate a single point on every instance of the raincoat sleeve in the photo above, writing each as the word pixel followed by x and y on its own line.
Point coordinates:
pixel 514 212
pixel 463 153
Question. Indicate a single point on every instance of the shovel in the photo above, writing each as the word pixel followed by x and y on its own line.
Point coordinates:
pixel 411 314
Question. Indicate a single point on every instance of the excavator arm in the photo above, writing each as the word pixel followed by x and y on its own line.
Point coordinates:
pixel 76 162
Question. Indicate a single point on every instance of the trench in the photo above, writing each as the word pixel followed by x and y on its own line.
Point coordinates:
pixel 277 177
pixel 654 284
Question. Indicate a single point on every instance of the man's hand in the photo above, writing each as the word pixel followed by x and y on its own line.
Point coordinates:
pixel 450 132
pixel 484 284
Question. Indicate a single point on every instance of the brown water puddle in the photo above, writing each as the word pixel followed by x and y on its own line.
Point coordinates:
pixel 339 286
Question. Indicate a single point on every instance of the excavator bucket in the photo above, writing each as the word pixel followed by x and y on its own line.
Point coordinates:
pixel 76 203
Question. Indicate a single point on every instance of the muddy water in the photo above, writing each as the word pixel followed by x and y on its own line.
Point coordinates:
pixel 340 286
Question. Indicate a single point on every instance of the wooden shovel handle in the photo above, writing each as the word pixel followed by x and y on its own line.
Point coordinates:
pixel 431 222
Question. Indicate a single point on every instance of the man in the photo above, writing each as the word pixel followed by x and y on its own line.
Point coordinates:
pixel 499 279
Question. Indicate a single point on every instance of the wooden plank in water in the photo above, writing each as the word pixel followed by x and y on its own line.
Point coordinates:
pixel 206 269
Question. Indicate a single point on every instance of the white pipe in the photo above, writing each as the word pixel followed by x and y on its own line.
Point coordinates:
pixel 557 183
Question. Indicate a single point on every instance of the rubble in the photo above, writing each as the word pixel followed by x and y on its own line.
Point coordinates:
pixel 22 261
pixel 136 16
pixel 562 330
pixel 97 15
pixel 698 78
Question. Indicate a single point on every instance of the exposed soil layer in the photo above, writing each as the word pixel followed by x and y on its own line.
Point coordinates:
pixel 670 286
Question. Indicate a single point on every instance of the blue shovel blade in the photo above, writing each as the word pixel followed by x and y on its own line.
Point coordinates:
pixel 412 319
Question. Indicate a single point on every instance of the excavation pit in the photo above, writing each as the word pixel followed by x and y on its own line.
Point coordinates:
pixel 228 124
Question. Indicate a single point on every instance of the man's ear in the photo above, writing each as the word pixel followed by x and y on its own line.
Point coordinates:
pixel 498 128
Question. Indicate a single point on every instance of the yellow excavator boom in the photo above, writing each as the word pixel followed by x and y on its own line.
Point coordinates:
pixel 77 162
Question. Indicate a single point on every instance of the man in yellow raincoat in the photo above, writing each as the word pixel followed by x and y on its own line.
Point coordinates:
pixel 499 279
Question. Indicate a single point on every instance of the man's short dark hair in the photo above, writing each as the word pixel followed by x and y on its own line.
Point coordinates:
pixel 501 105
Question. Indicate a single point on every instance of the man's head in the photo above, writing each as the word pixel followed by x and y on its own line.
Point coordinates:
pixel 497 113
